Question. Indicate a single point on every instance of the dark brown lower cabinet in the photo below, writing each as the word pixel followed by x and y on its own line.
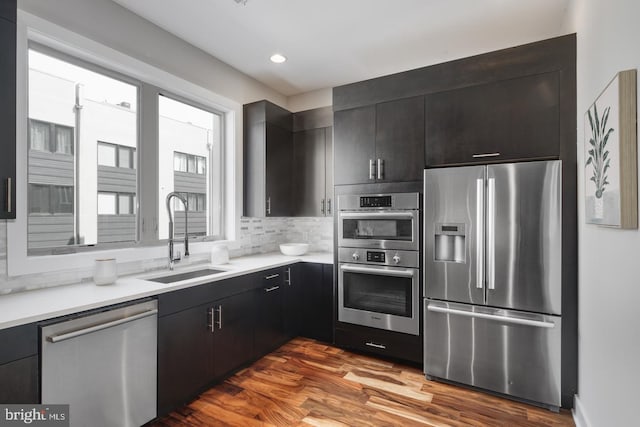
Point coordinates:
pixel 19 381
pixel 202 342
pixel 19 365
pixel 233 334
pixel 269 331
pixel 185 356
pixel 380 342
pixel 317 301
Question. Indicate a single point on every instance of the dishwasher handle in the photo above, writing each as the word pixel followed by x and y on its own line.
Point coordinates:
pixel 95 328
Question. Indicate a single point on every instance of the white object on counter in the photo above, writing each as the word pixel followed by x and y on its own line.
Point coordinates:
pixel 105 271
pixel 219 254
pixel 294 249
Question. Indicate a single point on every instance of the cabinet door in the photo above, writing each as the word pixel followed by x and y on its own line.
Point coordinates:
pixel 317 285
pixel 354 133
pixel 269 332
pixel 8 115
pixel 294 309
pixel 279 162
pixel 328 170
pixel 400 139
pixel 19 381
pixel 309 167
pixel 507 120
pixel 233 337
pixel 185 362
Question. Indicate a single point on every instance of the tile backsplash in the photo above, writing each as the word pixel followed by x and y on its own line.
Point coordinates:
pixel 261 235
pixel 257 235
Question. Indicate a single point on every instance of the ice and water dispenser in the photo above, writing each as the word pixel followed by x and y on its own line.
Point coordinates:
pixel 450 240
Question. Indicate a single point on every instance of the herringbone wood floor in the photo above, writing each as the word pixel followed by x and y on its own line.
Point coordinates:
pixel 306 383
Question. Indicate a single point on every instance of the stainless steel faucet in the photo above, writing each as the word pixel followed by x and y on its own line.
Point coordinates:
pixel 173 258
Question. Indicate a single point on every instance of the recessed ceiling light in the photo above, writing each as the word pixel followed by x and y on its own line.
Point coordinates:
pixel 277 58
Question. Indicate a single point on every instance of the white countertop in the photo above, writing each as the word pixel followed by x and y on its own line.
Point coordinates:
pixel 32 306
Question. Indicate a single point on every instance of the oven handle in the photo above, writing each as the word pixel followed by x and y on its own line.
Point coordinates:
pixel 401 214
pixel 380 271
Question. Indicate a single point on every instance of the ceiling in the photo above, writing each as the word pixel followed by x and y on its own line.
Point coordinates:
pixel 334 42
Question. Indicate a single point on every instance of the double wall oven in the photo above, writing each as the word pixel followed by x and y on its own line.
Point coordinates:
pixel 379 261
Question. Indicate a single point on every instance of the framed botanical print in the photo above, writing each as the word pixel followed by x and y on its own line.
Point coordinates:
pixel 611 171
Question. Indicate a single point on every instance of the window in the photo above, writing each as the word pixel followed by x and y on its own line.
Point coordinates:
pixel 84 139
pixel 115 155
pixel 116 203
pixel 196 202
pixel 107 155
pixel 50 199
pixel 190 140
pixel 50 137
pixel 68 98
pixel 189 163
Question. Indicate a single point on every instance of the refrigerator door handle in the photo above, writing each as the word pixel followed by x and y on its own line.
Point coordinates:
pixel 479 233
pixel 491 233
pixel 504 319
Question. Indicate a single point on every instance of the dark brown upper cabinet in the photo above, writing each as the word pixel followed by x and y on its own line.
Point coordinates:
pixel 400 140
pixel 354 133
pixel 512 119
pixel 313 162
pixel 381 143
pixel 8 109
pixel 268 160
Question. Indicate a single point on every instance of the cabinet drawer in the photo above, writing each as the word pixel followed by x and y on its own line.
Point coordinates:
pixel 271 278
pixel 173 302
pixel 18 342
pixel 383 343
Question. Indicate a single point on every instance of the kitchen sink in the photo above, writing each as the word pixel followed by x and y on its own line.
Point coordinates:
pixel 186 275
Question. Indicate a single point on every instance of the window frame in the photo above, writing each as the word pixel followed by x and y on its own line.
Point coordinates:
pixel 32 29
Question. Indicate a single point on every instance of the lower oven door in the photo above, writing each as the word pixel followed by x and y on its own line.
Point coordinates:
pixel 380 297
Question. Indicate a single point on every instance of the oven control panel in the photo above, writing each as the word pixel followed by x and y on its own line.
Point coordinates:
pixel 388 257
pixel 376 256
pixel 375 201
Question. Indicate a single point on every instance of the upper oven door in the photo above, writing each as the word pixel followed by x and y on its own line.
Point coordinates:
pixel 379 229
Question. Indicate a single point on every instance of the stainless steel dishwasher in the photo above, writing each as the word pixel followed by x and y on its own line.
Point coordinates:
pixel 103 365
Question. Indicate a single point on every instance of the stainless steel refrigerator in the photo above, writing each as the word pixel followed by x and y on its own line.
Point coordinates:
pixel 492 278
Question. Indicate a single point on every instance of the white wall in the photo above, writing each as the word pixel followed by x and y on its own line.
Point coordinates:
pixel 609 260
pixel 309 100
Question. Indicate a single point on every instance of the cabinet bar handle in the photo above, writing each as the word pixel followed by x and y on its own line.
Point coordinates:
pixel 322 206
pixel 287 280
pixel 273 276
pixel 271 289
pixel 479 156
pixel 328 206
pixel 380 169
pixel 219 322
pixel 212 320
pixel 9 195
pixel 372 169
pixel 268 205
pixel 374 345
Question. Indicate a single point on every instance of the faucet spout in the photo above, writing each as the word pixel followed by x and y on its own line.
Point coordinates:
pixel 173 258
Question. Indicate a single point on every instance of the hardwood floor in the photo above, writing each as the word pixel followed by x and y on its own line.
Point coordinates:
pixel 306 383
